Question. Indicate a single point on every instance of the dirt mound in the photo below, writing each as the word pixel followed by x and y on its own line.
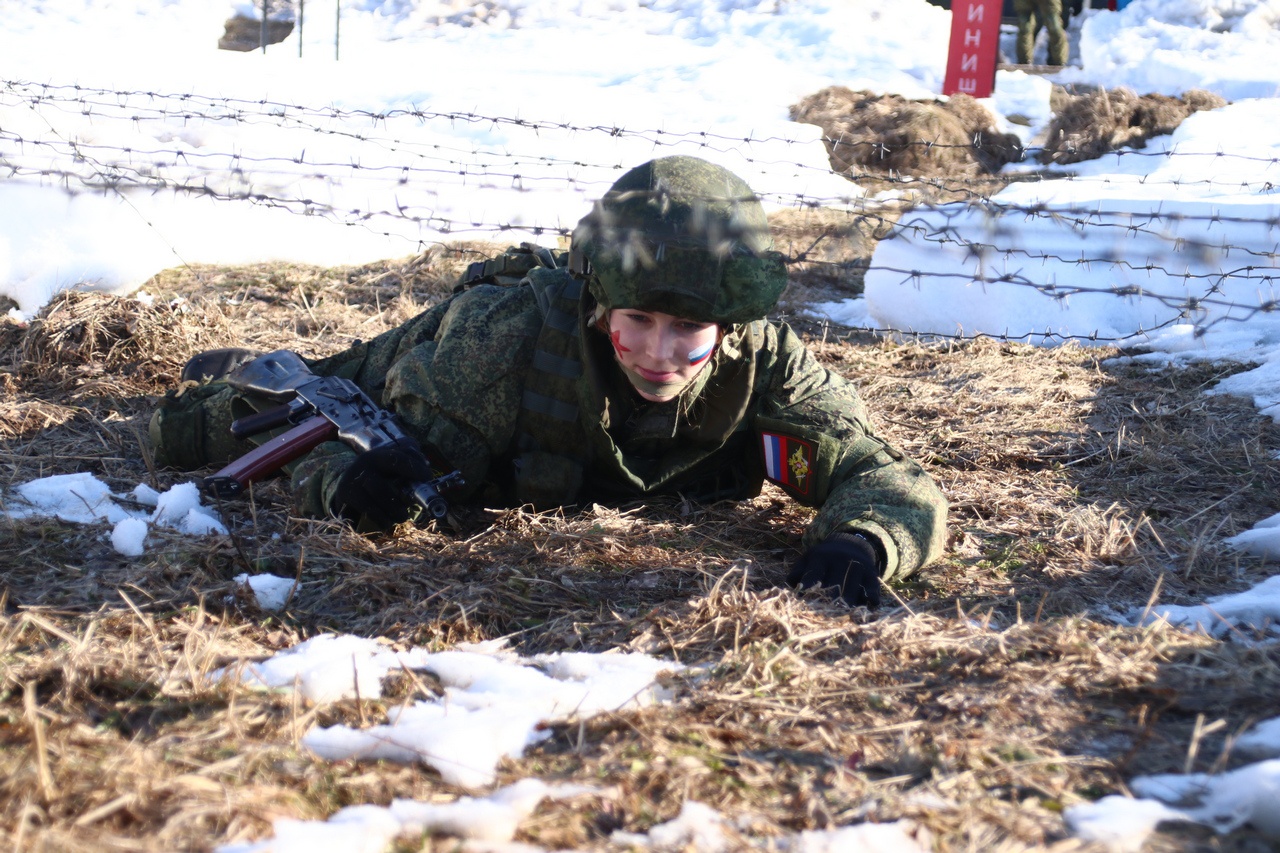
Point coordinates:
pixel 890 133
pixel 1086 126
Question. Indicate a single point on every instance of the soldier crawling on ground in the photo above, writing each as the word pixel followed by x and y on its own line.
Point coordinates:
pixel 639 364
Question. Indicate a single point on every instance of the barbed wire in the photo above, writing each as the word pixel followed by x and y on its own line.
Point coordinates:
pixel 957 215
pixel 1190 247
pixel 237 162
pixel 1134 339
pixel 106 177
pixel 146 174
pixel 239 108
pixel 1063 293
pixel 1046 337
pixel 914 277
pixel 245 110
pixel 112 177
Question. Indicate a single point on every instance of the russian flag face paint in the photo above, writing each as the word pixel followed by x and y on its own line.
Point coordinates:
pixel 660 353
pixel 702 353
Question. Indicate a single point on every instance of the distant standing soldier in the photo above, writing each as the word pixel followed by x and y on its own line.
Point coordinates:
pixel 1034 15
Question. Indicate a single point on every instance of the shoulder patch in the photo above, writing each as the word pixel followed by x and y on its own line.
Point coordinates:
pixel 788 461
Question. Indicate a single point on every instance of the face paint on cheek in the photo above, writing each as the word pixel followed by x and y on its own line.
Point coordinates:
pixel 617 342
pixel 701 354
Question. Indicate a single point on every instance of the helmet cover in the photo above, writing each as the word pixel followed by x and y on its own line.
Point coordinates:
pixel 684 237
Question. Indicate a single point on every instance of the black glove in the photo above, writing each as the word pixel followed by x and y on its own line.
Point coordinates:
pixel 375 491
pixel 845 561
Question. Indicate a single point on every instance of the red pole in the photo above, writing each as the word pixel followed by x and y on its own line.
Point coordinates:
pixel 975 42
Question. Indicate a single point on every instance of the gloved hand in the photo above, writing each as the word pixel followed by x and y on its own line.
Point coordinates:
pixel 374 491
pixel 845 561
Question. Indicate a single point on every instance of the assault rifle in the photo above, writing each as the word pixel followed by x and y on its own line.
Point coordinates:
pixel 321 408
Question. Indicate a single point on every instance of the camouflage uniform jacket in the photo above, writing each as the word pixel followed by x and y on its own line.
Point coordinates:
pixel 513 388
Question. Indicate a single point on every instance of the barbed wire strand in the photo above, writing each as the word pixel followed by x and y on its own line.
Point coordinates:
pixel 82 166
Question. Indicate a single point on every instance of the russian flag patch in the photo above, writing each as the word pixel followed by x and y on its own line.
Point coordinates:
pixel 788 461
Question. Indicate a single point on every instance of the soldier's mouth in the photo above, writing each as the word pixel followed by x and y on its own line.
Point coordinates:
pixel 656 375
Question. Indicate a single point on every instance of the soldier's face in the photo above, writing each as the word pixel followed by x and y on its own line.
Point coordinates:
pixel 659 353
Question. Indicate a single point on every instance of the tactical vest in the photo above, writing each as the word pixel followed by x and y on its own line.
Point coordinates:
pixel 551 443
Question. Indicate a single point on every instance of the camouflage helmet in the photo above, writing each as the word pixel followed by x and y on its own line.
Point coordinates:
pixel 684 237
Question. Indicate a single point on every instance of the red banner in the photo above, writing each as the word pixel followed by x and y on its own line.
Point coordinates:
pixel 975 42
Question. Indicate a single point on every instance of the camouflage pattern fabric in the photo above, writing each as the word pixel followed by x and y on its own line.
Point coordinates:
pixel 456 377
pixel 192 426
pixel 870 486
pixel 682 236
pixel 1033 15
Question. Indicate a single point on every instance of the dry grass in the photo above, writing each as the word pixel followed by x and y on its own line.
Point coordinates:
pixel 1087 125
pixel 912 151
pixel 871 138
pixel 829 250
pixel 987 698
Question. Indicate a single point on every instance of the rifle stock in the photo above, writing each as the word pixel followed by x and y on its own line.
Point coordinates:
pixel 271 455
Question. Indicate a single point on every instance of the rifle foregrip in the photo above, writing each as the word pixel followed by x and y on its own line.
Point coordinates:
pixel 269 456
